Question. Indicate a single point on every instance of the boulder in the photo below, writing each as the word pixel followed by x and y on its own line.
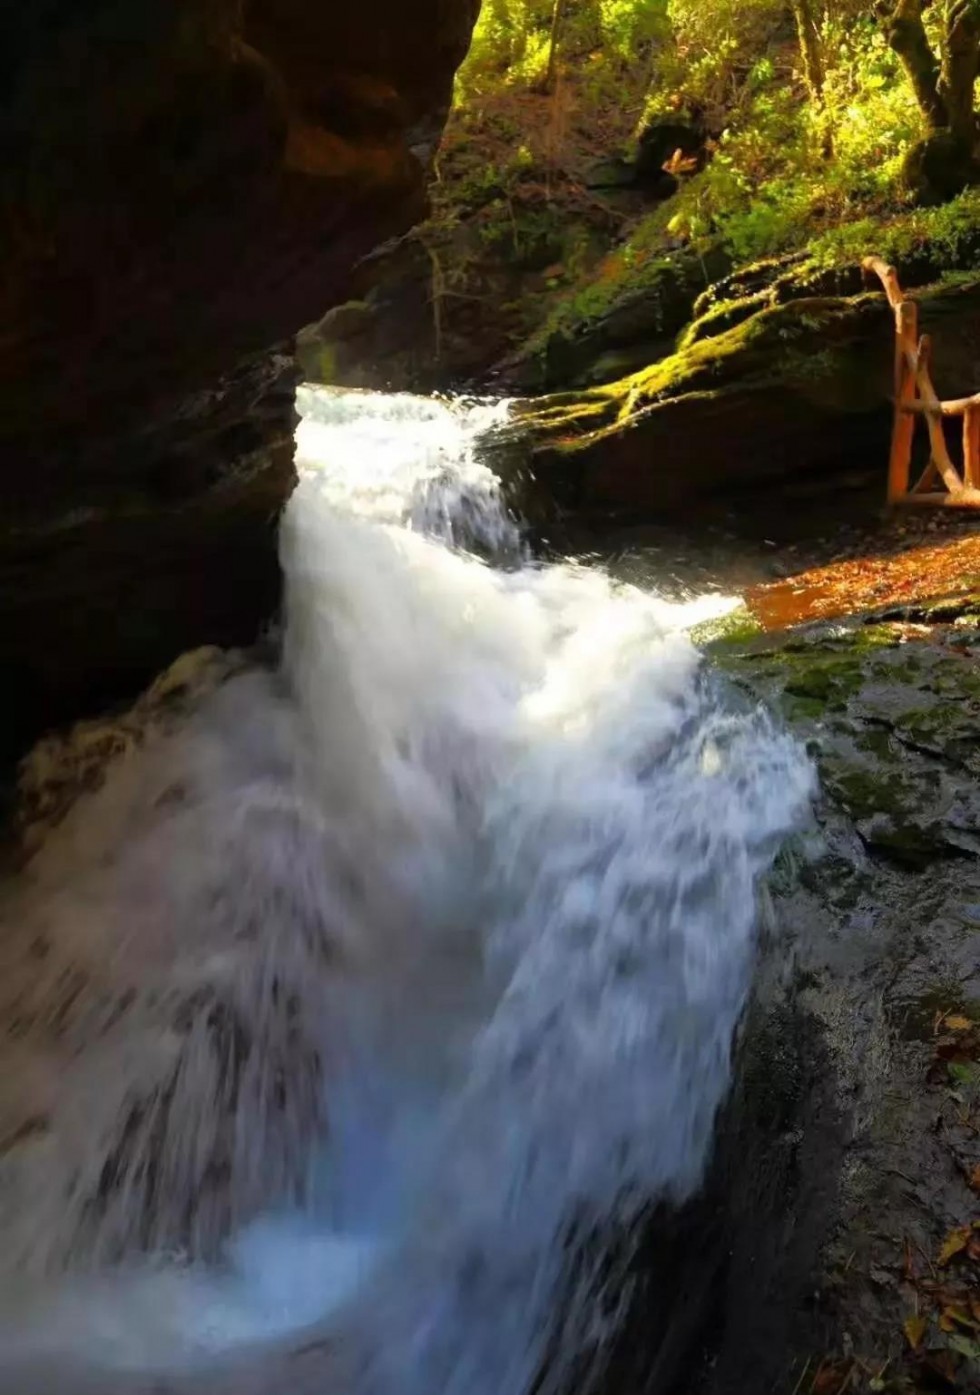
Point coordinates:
pixel 632 328
pixel 802 386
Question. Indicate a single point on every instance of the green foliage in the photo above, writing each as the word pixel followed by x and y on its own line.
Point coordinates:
pixel 949 236
pixel 716 54
pixel 512 41
pixel 794 157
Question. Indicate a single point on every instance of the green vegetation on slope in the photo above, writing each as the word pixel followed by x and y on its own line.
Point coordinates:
pixel 607 160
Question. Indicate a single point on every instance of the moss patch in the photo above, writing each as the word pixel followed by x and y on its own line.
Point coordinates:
pixel 761 349
pixel 891 721
pixel 729 632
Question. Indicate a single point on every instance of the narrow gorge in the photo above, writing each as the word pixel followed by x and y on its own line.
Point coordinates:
pixel 491 813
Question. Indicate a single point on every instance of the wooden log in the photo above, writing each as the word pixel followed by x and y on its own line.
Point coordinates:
pixel 940 454
pixel 903 427
pixel 955 407
pixel 888 277
pixel 971 447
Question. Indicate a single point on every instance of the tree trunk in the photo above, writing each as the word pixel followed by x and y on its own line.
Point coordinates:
pixel 811 52
pixel 906 34
pixel 811 47
pixel 944 163
pixel 958 74
pixel 557 23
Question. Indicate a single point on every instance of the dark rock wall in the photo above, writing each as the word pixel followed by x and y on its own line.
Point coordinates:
pixel 184 183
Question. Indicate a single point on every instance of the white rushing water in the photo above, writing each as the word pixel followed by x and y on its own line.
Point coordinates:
pixel 353 997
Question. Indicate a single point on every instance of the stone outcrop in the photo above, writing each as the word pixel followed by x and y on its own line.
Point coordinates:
pixel 185 183
pixel 796 387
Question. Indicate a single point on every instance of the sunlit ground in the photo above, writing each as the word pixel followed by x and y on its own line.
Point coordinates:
pixel 949 568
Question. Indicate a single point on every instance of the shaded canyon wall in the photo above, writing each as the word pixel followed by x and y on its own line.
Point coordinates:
pixel 185 183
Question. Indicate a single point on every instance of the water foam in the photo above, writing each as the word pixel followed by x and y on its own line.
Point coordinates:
pixel 472 881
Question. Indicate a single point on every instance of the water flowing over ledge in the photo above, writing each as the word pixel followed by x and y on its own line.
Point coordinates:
pixel 362 1000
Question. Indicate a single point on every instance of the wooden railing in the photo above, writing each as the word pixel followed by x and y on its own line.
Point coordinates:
pixel 915 398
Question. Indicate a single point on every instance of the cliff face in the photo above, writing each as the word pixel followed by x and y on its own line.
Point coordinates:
pixel 184 184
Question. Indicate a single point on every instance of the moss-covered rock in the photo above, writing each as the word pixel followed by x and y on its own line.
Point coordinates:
pixel 611 327
pixel 723 315
pixel 891 722
pixel 800 386
pixel 925 245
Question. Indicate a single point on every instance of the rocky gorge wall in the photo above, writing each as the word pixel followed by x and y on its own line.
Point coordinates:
pixel 184 184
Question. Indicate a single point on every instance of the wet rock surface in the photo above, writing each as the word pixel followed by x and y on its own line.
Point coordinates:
pixel 852 1181
pixel 167 536
pixel 847 1157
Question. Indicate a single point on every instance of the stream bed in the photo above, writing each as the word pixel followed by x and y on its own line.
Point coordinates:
pixel 476 990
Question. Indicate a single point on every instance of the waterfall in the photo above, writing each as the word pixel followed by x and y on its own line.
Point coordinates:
pixel 349 1003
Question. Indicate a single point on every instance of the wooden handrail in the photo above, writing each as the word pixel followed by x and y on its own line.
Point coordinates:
pixel 954 407
pixel 916 398
pixel 888 277
pixel 940 453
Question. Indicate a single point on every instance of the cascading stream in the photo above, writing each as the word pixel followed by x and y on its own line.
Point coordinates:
pixel 359 992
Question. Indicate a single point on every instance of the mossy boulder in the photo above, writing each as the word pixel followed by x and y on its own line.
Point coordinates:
pixel 609 329
pixel 891 723
pixel 802 386
pixel 925 245
pixel 722 316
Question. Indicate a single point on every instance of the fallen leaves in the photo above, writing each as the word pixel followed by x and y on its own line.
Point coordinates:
pixel 915 1330
pixel 950 1319
pixel 832 1378
pixel 943 1332
pixel 955 1243
pixel 862 583
pixel 940 1365
pixel 966 1346
pixel 937 1282
pixel 956 1059
pixel 947 1304
pixel 956 1023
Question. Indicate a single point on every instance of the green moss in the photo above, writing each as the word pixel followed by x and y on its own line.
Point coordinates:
pixel 816 349
pixel 824 671
pixel 947 609
pixel 724 315
pixel 922 242
pixel 730 632
pixel 709 364
pixel 827 681
pixel 865 639
pixel 638 299
pixel 593 301
pixel 802 709
pixel 925 725
pixel 869 790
